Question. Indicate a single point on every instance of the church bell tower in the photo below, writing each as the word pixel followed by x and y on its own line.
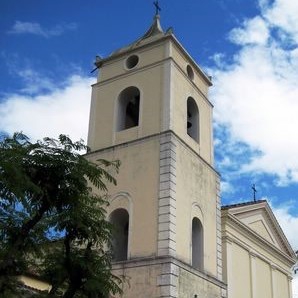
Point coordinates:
pixel 150 110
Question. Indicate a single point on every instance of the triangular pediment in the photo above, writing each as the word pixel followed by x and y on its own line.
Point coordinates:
pixel 260 227
pixel 259 218
pixel 259 221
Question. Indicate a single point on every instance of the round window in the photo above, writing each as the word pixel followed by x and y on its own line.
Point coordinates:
pixel 132 61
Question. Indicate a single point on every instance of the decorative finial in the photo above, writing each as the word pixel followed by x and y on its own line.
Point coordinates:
pixel 97 63
pixel 157 7
pixel 254 191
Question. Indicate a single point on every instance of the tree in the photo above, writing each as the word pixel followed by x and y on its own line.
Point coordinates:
pixel 51 219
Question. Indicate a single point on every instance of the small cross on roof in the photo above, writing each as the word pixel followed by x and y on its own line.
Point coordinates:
pixel 254 191
pixel 157 7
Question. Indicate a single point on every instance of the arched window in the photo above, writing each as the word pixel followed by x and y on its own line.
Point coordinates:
pixel 128 108
pixel 120 219
pixel 190 72
pixel 193 124
pixel 197 244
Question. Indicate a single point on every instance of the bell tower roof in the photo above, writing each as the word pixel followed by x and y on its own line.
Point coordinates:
pixel 154 29
pixel 154 32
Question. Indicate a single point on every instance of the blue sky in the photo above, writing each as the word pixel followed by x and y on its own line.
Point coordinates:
pixel 250 48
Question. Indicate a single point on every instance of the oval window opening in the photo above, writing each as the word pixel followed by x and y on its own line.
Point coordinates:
pixel 132 61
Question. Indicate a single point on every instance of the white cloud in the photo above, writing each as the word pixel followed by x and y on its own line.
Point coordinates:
pixel 62 110
pixel 34 81
pixel 254 31
pixel 288 223
pixel 284 15
pixel 226 187
pixel 36 29
pixel 219 59
pixel 257 95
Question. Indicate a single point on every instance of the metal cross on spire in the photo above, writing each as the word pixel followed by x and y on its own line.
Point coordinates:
pixel 157 7
pixel 254 191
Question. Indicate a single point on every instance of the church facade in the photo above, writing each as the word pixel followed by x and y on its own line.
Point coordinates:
pixel 150 110
pixel 257 257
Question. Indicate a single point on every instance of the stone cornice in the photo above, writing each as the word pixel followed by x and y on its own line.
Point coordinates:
pixel 143 262
pixel 145 139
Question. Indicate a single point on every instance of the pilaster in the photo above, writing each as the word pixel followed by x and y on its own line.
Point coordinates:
pixel 229 262
pixel 273 281
pixel 167 103
pixel 253 274
pixel 167 196
pixel 168 281
pixel 290 286
pixel 218 231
